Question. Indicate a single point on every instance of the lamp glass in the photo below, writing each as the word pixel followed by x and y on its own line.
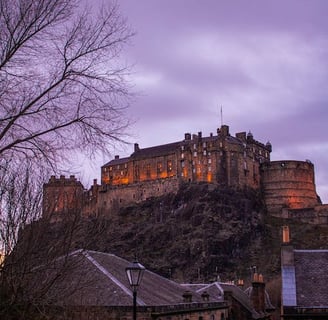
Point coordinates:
pixel 134 273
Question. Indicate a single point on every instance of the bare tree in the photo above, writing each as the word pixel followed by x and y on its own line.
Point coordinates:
pixel 62 87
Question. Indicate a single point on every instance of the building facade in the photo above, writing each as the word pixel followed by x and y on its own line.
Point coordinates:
pixel 151 172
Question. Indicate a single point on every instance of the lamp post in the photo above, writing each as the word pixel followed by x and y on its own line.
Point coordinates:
pixel 134 273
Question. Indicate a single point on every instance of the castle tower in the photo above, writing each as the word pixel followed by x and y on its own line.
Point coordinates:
pixel 61 197
pixel 288 184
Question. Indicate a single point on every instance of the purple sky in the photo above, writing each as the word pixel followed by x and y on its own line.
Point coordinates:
pixel 264 62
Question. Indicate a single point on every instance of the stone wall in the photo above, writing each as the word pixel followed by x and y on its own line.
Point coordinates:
pixel 288 184
pixel 111 198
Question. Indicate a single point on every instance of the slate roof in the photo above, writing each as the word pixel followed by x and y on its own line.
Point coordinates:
pixel 98 279
pixel 311 275
pixel 156 151
pixel 216 291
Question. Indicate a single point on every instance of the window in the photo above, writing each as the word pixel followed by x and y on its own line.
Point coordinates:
pixel 169 166
pixel 209 168
pixel 182 155
pixel 204 152
pixel 182 148
pixel 204 144
pixel 148 170
pixel 209 160
pixel 159 167
pixel 182 164
pixel 195 146
pixel 195 154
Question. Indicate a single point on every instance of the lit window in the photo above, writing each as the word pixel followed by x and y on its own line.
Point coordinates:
pixel 193 170
pixel 209 168
pixel 148 170
pixel 169 166
pixel 195 154
pixel 204 152
pixel 182 155
pixel 159 167
pixel 209 160
pixel 110 168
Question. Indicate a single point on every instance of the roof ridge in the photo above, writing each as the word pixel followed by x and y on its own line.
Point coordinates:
pixel 111 276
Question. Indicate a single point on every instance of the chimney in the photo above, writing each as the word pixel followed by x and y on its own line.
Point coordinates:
pixel 285 235
pixel 287 250
pixel 224 130
pixel 187 296
pixel 136 147
pixel 258 293
pixel 187 136
pixel 199 135
pixel 205 296
pixel 117 157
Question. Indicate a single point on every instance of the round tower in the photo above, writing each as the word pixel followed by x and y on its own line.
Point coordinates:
pixel 288 184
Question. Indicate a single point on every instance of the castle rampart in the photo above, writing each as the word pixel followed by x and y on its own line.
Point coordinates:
pixel 288 184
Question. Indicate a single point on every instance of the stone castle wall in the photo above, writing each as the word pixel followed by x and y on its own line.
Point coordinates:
pixel 288 184
pixel 111 198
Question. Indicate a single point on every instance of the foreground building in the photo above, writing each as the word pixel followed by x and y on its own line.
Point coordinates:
pixel 304 276
pixel 94 285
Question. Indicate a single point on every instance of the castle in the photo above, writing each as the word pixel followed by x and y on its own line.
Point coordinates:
pixel 235 161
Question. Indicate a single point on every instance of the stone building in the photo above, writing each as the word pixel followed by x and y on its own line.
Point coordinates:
pixel 151 172
pixel 304 275
pixel 236 161
pixel 93 285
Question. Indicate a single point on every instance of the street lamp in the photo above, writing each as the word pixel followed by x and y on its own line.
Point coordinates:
pixel 134 273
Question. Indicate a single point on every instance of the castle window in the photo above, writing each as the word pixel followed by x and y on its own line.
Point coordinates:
pixel 182 155
pixel 199 169
pixel 204 144
pixel 148 172
pixel 210 168
pixel 209 160
pixel 122 173
pixel 169 166
pixel 110 168
pixel 136 172
pixel 125 165
pixel 193 162
pixel 159 167
pixel 209 153
pixel 195 154
pixel 193 170
pixel 182 164
pixel 221 145
pixel 195 146
pixel 204 152
pixel 118 167
pixel 182 148
pixel 182 174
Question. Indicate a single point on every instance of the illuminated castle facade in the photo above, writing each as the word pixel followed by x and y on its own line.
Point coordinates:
pixel 235 161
